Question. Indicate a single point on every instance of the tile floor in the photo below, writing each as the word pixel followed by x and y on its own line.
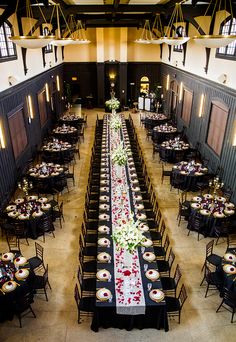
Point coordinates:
pixel 57 319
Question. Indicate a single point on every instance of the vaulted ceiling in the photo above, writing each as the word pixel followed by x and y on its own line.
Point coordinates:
pixel 114 13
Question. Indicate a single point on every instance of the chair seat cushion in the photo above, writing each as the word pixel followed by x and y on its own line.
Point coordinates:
pixel 172 304
pixel 214 259
pixel 90 266
pixel 87 304
pixel 35 262
pixel 168 283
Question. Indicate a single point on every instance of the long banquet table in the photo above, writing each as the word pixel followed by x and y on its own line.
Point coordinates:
pixel 126 291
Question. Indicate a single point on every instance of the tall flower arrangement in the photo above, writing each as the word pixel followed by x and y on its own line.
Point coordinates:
pixel 119 155
pixel 113 103
pixel 127 235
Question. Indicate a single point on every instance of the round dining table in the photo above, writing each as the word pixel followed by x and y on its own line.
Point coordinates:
pixel 28 210
pixel 46 176
pixel 16 279
pixel 173 150
pixel 185 175
pixel 66 133
pixel 163 133
pixel 213 210
pixel 154 119
pixel 70 119
pixel 58 151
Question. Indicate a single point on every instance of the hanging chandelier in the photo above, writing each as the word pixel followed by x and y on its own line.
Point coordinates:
pixel 31 41
pixel 78 32
pixel 220 40
pixel 59 40
pixel 157 30
pixel 176 17
pixel 146 34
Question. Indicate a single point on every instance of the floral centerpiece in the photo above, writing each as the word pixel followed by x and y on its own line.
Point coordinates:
pixel 113 103
pixel 115 122
pixel 119 155
pixel 127 235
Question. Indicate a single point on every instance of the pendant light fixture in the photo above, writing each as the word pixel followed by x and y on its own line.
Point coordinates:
pixel 32 41
pixel 157 30
pixel 59 40
pixel 176 17
pixel 146 34
pixel 78 32
pixel 220 40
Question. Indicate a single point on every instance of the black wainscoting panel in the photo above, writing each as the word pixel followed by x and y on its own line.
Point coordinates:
pixel 10 100
pixel 85 79
pixel 198 129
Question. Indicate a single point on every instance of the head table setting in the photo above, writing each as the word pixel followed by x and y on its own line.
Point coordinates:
pixel 128 287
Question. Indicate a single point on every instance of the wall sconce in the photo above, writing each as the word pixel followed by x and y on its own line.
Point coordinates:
pixel 167 82
pixel 58 83
pixel 47 92
pixel 201 105
pixel 2 140
pixel 234 140
pixel 181 91
pixel 112 76
pixel 30 107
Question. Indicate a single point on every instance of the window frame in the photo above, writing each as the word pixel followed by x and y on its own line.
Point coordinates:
pixel 6 41
pixel 232 23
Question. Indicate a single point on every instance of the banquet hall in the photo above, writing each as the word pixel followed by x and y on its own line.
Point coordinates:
pixel 117 170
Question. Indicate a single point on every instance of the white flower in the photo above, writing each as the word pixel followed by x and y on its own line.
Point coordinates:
pixel 119 155
pixel 115 122
pixel 113 103
pixel 129 236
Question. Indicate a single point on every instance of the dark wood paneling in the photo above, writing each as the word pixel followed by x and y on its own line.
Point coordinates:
pixel 198 128
pixel 10 100
pixel 86 83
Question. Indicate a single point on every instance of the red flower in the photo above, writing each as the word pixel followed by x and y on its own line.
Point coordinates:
pixel 105 294
pixel 127 273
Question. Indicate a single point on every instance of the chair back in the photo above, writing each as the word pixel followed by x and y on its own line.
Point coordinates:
pixel 182 296
pixel 209 248
pixel 177 275
pixel 77 295
pixel 163 228
pixel 229 298
pixel 61 208
pixel 45 276
pixel 167 243
pixel 19 228
pixel 13 243
pixel 171 258
pixel 39 250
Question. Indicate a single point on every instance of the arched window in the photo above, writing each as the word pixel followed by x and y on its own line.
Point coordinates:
pixel 46 32
pixel 179 33
pixel 144 85
pixel 7 48
pixel 229 51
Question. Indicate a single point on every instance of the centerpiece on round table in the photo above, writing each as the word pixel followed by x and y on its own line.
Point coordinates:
pixel 119 158
pixel 113 104
pixel 127 236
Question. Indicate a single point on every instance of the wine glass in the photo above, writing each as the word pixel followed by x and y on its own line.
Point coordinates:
pixel 149 286
pixel 145 267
